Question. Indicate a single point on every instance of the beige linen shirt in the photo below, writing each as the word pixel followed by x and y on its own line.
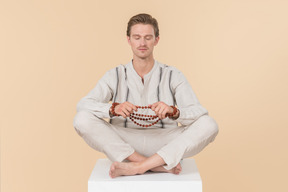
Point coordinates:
pixel 163 83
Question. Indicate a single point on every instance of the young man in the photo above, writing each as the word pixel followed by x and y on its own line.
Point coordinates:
pixel 135 149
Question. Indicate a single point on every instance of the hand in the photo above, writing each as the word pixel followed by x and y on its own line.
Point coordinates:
pixel 161 108
pixel 125 109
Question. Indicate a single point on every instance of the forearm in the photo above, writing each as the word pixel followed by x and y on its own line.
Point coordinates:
pixel 190 114
pixel 100 109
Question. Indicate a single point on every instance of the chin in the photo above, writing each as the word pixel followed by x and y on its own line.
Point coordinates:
pixel 143 56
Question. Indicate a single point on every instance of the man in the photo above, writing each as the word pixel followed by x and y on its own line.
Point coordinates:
pixel 144 82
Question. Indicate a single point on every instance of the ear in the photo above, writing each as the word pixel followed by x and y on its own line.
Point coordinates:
pixel 128 39
pixel 156 40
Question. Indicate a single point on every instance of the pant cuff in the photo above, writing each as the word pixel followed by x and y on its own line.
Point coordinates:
pixel 170 163
pixel 122 157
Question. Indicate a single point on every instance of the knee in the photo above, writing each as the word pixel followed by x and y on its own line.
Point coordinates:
pixel 211 127
pixel 82 121
pixel 206 126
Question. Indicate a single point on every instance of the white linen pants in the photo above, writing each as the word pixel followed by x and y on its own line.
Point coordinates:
pixel 172 144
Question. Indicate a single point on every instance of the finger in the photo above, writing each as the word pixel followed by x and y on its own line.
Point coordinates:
pixel 123 114
pixel 154 105
pixel 165 113
pixel 162 113
pixel 131 107
pixel 123 106
pixel 134 108
pixel 157 110
pixel 126 112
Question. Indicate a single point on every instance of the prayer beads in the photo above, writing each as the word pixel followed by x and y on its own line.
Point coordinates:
pixel 142 117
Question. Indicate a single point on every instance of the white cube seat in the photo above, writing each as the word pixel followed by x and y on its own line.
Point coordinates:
pixel 188 180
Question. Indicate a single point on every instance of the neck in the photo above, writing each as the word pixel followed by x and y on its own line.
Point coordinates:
pixel 143 66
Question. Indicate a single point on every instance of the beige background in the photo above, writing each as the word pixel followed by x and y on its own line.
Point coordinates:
pixel 234 54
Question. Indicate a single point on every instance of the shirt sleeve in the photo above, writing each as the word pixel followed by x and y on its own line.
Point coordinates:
pixel 97 100
pixel 186 100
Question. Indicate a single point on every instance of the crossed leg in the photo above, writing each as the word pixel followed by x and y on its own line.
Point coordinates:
pixel 139 164
pixel 108 139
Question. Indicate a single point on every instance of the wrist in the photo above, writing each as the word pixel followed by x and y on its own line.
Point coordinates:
pixel 112 110
pixel 174 117
pixel 175 114
pixel 172 114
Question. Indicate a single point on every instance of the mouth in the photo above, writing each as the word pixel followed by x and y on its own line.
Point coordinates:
pixel 142 49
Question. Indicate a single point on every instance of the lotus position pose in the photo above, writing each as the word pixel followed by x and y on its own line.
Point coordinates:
pixel 155 118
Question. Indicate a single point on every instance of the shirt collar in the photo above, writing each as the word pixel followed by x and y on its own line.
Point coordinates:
pixel 130 65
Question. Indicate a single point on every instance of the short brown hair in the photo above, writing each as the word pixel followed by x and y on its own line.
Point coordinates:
pixel 143 18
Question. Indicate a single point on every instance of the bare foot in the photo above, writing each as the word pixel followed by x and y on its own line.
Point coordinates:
pixel 120 168
pixel 176 170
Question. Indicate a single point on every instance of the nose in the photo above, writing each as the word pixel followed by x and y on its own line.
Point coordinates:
pixel 142 41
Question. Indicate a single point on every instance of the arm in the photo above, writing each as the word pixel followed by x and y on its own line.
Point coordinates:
pixel 97 99
pixel 186 100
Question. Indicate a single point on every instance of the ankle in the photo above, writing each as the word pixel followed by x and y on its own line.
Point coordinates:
pixel 136 157
pixel 140 168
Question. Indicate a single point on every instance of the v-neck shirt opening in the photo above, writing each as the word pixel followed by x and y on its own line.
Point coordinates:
pixel 146 76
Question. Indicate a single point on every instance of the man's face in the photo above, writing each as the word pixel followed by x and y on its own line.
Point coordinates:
pixel 142 40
